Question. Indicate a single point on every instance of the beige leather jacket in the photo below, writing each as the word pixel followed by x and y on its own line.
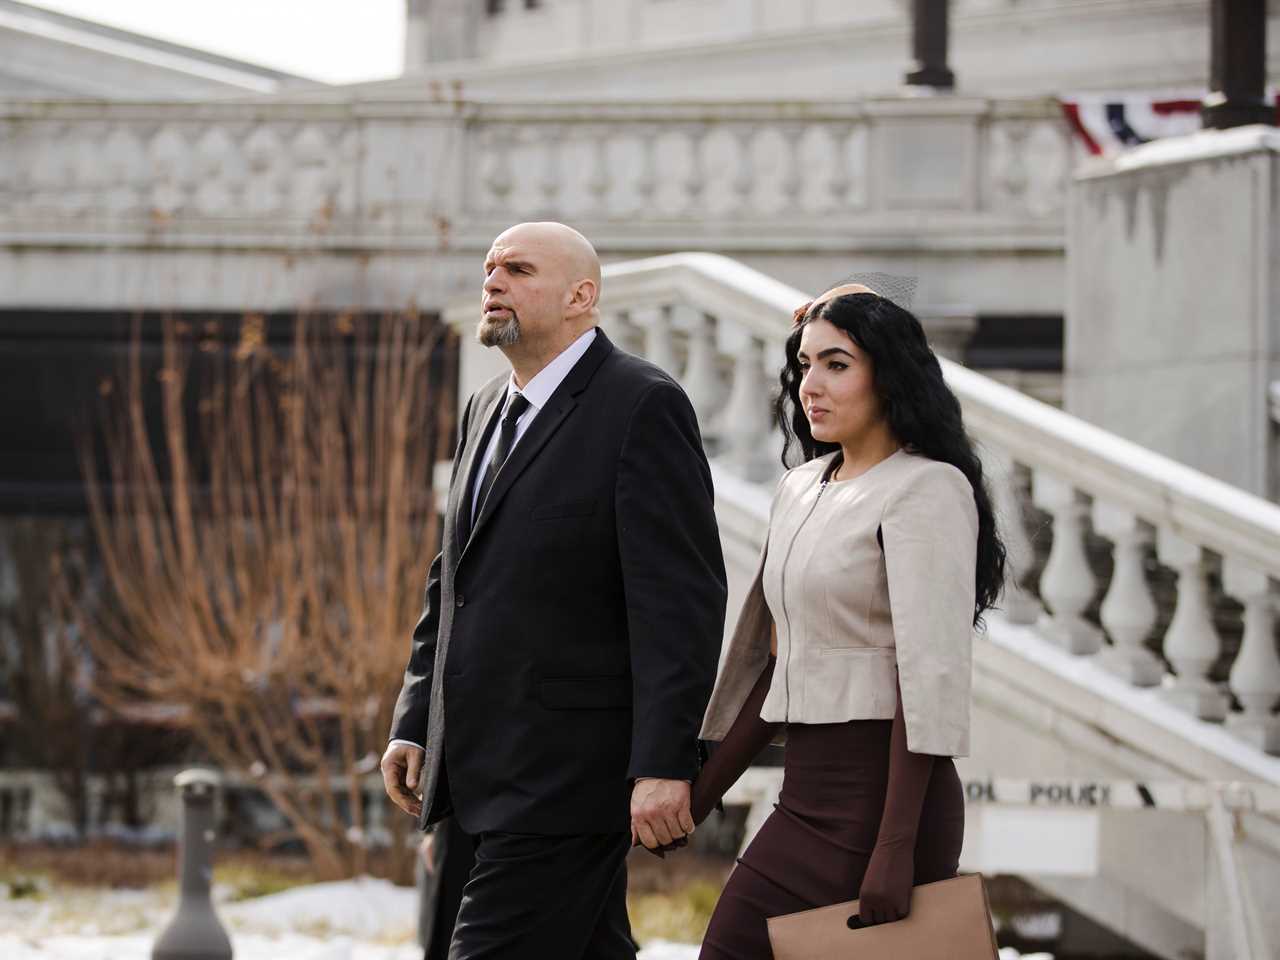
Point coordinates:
pixel 853 619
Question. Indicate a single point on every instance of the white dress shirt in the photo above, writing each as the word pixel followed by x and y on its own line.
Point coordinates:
pixel 537 391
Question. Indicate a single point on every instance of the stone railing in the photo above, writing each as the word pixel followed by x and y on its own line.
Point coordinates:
pixel 719 325
pixel 776 161
pixel 441 174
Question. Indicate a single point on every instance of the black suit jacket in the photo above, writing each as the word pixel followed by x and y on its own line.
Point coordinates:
pixel 571 644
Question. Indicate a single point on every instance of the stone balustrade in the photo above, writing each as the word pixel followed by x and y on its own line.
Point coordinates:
pixel 776 162
pixel 442 174
pixel 719 326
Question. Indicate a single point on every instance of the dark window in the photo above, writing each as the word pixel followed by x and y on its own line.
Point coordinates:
pixel 495 7
pixel 56 366
pixel 1016 342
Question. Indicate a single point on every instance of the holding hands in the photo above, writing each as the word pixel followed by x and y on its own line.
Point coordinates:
pixel 660 814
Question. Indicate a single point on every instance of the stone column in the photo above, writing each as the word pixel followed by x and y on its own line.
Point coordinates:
pixel 439 30
pixel 1237 65
pixel 929 35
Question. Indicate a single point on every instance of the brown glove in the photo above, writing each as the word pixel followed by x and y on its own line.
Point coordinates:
pixel 886 887
pixel 742 744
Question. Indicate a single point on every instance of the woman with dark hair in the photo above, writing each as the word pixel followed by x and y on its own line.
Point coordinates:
pixel 854 641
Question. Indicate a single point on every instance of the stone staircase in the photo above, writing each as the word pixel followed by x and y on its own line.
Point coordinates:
pixel 1083 688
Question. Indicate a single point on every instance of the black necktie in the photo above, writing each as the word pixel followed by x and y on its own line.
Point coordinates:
pixel 506 440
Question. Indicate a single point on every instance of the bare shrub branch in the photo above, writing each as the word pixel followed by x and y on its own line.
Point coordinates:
pixel 266 543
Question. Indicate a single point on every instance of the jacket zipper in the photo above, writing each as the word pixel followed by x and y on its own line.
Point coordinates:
pixel 786 563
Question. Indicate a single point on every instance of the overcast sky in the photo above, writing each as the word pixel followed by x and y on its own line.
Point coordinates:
pixel 339 41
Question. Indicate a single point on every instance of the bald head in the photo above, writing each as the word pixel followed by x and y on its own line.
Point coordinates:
pixel 564 247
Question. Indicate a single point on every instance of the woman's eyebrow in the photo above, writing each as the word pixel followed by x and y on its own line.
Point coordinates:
pixel 832 350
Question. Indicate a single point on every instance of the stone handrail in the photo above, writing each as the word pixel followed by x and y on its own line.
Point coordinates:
pixel 719 325
pixel 1216 515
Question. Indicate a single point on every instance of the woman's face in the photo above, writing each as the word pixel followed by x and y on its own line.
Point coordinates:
pixel 837 386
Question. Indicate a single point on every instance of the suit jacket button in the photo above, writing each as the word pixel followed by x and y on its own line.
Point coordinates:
pixel 460 602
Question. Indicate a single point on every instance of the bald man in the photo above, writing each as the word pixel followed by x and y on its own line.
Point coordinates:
pixel 559 672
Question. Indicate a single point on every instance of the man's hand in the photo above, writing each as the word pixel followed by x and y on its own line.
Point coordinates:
pixel 401 771
pixel 660 812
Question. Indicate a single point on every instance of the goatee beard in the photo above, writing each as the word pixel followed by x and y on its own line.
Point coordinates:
pixel 499 333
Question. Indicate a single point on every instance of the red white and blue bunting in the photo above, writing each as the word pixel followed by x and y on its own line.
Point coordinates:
pixel 1108 123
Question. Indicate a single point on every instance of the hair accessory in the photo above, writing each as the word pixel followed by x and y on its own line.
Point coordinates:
pixel 898 290
pixel 901 290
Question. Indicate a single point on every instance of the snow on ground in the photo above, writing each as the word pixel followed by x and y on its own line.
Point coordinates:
pixel 245 946
pixel 366 909
pixel 296 948
pixel 363 919
pixel 255 947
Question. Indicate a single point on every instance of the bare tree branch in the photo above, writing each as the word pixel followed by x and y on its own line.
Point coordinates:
pixel 267 549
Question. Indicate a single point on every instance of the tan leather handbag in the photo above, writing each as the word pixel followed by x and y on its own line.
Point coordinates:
pixel 949 920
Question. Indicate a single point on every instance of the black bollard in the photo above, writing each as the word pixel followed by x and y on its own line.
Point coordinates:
pixel 195 933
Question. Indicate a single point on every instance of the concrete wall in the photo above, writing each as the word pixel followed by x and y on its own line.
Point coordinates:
pixel 1173 300
pixel 734 49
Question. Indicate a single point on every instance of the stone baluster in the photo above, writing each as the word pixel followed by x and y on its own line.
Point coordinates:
pixel 193 172
pixel 695 182
pixel 19 164
pixel 600 179
pixel 1020 604
pixel 647 175
pixel 1067 584
pixel 1255 675
pixel 746 425
pixel 127 151
pixel 1128 611
pixel 236 175
pixel 744 178
pixel 88 178
pixel 283 173
pixel 792 182
pixel 841 180
pixel 1011 175
pixel 498 180
pixel 9 151
pixel 629 334
pixel 659 337
pixel 701 379
pixel 552 178
pixel 32 169
pixel 1191 644
pixel 168 159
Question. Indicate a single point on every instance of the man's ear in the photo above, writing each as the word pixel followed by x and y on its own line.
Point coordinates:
pixel 583 297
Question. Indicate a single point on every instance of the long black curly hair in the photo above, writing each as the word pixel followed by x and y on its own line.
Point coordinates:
pixel 922 412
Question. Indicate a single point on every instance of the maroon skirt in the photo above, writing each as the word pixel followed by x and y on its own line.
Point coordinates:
pixel 813 849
